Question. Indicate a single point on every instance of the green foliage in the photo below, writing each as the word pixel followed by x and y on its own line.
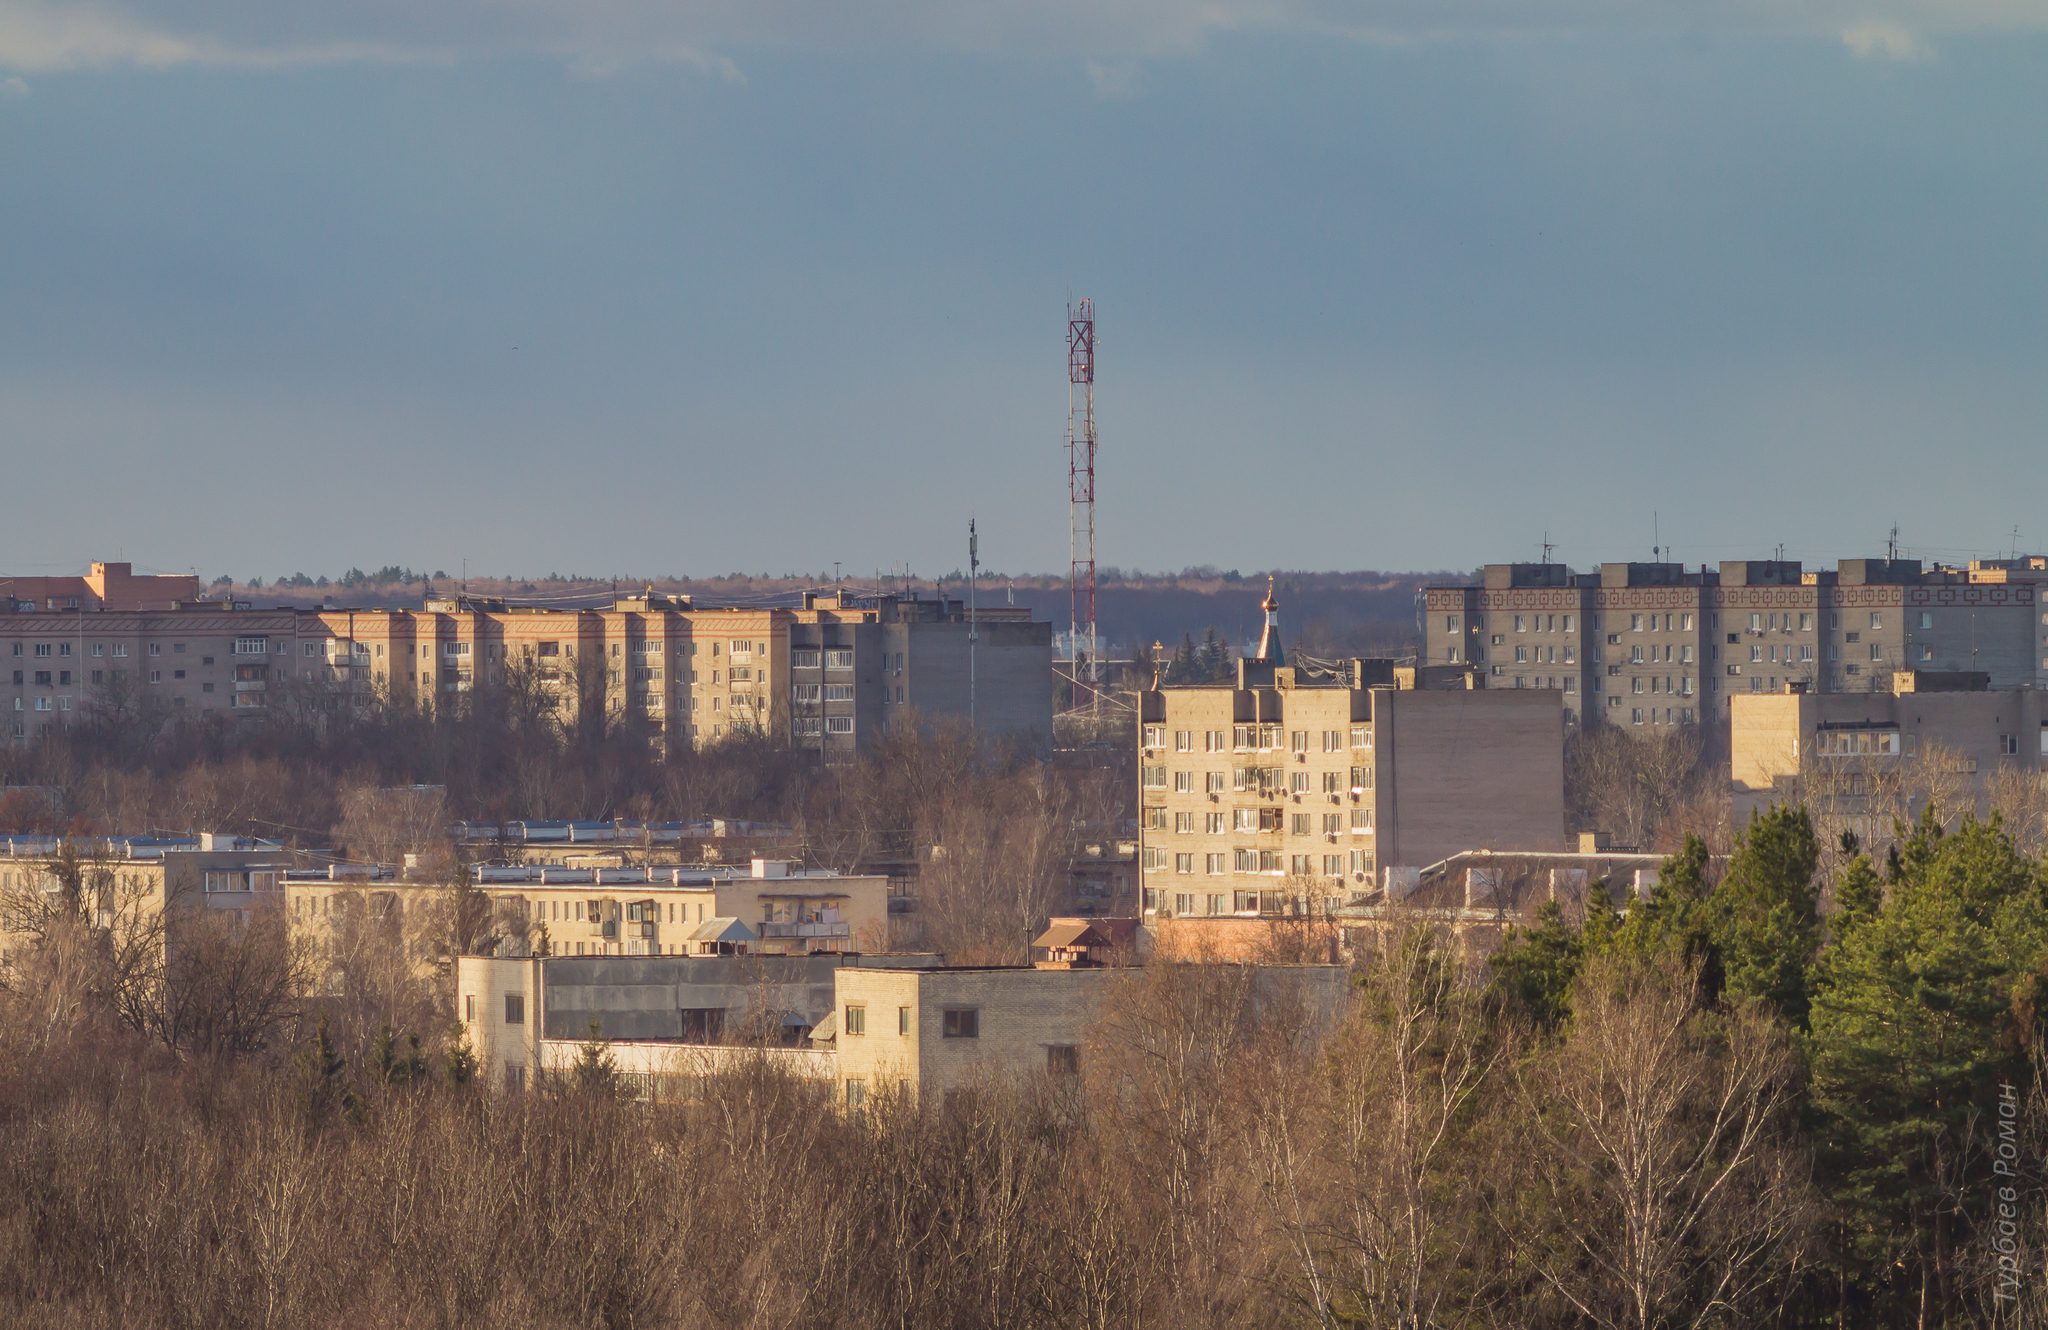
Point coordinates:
pixel 1535 969
pixel 1207 663
pixel 458 1062
pixel 1859 894
pixel 322 1075
pixel 396 1067
pixel 1765 915
pixel 595 1072
pixel 1913 1024
pixel 1670 921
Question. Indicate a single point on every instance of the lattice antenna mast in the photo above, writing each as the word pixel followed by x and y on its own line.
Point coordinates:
pixel 1081 494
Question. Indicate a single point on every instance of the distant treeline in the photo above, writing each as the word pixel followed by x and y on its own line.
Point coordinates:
pixel 1331 614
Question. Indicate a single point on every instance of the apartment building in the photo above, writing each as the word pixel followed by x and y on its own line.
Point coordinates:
pixel 1875 756
pixel 833 672
pixel 137 888
pixel 1302 782
pixel 1652 645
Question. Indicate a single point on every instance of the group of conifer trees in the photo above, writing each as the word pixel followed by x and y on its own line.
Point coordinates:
pixel 1909 1012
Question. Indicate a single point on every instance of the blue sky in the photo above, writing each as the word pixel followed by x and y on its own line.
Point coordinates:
pixel 634 288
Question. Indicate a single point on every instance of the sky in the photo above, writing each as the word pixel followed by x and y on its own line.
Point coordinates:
pixel 640 288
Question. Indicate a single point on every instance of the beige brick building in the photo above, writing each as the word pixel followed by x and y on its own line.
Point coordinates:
pixel 1652 645
pixel 1865 758
pixel 1297 784
pixel 833 672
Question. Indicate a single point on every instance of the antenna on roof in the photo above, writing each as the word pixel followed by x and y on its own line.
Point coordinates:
pixel 1546 547
pixel 1891 545
pixel 1656 543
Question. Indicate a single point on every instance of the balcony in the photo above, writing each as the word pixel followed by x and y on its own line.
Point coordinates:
pixel 248 685
pixel 789 929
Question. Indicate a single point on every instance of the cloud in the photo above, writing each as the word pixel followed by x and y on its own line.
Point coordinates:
pixel 1116 79
pixel 13 89
pixel 1885 41
pixel 599 35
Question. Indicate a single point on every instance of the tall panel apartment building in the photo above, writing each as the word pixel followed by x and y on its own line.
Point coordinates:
pixel 1658 644
pixel 831 672
pixel 1296 784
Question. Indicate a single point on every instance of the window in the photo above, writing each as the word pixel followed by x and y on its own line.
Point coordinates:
pixel 1877 618
pixel 856 1094
pixel 1213 823
pixel 834 660
pixel 833 724
pixel 246 646
pixel 1756 623
pixel 1184 824
pixel 804 692
pixel 961 1023
pixel 834 692
pixel 1297 741
pixel 1297 782
pixel 121 650
pixel 1877 651
pixel 1065 1059
pixel 1450 623
pixel 1568 623
pixel 1183 741
pixel 1153 778
pixel 903 1021
pixel 1244 819
pixel 1361 736
pixel 1333 782
pixel 2009 745
pixel 1361 819
pixel 803 660
pixel 1154 736
pixel 1333 741
pixel 856 1019
pixel 1184 863
pixel 1333 823
pixel 515 1009
pixel 1521 655
pixel 1636 716
pixel 1518 623
pixel 1183 782
pixel 1685 623
pixel 1361 778
pixel 1213 742
pixel 1212 864
pixel 1926 652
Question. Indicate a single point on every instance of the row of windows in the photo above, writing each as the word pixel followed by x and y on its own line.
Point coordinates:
pixel 1260 738
pixel 1260 780
pixel 1259 819
pixel 1268 862
pixel 1762 621
pixel 954 1022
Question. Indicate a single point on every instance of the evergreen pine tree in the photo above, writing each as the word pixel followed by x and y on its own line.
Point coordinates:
pixel 595 1072
pixel 1765 915
pixel 1913 1024
pixel 1535 968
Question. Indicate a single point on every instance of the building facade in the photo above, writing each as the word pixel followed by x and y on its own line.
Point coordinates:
pixel 1865 758
pixel 1297 784
pixel 1653 645
pixel 832 673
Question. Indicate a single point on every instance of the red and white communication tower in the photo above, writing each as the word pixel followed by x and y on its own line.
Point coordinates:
pixel 1081 494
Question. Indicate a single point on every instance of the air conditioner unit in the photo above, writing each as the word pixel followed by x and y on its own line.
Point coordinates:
pixel 1301 757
